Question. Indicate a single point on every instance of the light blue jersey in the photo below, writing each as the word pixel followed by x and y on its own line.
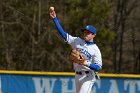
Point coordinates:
pixel 88 49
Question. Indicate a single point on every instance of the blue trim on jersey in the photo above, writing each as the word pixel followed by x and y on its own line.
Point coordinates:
pixel 94 67
pixel 89 43
pixel 60 29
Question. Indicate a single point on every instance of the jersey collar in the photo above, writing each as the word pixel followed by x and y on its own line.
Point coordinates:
pixel 89 43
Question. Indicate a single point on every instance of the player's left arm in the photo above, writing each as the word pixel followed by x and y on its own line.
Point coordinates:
pixel 96 61
pixel 95 66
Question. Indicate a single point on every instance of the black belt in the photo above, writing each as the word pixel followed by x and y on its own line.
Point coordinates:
pixel 81 72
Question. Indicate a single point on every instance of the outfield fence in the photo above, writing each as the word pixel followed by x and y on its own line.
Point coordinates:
pixel 63 82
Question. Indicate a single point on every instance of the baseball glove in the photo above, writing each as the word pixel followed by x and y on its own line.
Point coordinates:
pixel 77 57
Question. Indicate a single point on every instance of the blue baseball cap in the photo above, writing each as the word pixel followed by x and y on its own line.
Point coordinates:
pixel 90 28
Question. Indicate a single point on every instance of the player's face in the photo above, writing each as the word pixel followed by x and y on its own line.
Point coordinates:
pixel 88 36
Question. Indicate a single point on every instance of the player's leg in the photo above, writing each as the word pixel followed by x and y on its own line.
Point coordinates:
pixel 77 84
pixel 86 87
pixel 87 82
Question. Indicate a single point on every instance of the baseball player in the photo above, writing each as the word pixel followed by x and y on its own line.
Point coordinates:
pixel 85 75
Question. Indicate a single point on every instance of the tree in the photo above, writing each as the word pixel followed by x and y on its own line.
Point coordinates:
pixel 122 19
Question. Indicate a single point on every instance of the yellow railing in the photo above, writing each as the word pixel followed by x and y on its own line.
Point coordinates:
pixel 66 74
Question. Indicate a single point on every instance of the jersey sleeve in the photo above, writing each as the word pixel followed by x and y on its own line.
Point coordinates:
pixel 68 38
pixel 60 30
pixel 71 40
pixel 97 59
pixel 96 63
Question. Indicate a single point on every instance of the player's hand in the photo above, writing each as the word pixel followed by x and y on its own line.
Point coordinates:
pixel 52 12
